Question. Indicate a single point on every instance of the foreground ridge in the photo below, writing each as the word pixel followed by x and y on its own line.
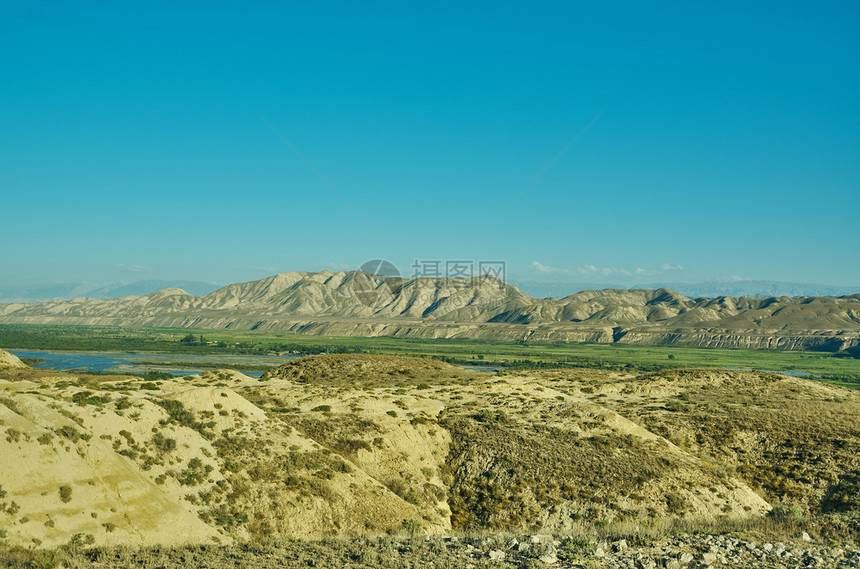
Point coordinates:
pixel 621 551
pixel 358 445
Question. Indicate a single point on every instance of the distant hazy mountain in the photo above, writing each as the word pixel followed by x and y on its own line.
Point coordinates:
pixel 540 289
pixel 361 304
pixel 713 289
pixel 39 293
pixel 708 289
pixel 141 288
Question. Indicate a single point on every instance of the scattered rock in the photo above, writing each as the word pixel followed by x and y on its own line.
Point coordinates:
pixel 497 555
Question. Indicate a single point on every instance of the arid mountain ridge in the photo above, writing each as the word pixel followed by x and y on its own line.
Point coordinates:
pixel 360 304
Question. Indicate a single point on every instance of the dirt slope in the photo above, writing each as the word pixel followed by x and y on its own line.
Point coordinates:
pixel 361 445
pixel 10 360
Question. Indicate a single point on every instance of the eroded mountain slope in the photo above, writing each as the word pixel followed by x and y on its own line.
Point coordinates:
pixel 360 304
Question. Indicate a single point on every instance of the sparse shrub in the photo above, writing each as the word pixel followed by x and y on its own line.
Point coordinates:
pixel 65 494
pixel 87 398
pixel 391 413
pixel 163 443
pixel 224 516
pixel 785 513
pixel 196 473
pixel 45 438
pixel 675 503
pixel 130 453
pixel 576 544
pixel 69 432
pixel 127 436
pixel 350 446
pixel 13 435
pixel 72 416
pixel 322 408
pixel 412 526
pixel 10 404
pixel 398 486
pixel 176 412
pixel 490 416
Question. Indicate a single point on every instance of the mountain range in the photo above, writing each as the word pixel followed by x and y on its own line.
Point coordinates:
pixel 38 293
pixel 352 303
pixel 707 289
pixel 539 289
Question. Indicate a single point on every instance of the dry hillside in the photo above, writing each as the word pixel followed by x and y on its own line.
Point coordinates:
pixel 363 445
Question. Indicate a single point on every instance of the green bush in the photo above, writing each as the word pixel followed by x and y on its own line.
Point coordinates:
pixel 87 398
pixel 412 526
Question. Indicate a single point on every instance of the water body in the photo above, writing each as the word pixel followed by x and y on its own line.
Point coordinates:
pixel 112 362
pixel 791 373
pixel 115 362
pixel 479 368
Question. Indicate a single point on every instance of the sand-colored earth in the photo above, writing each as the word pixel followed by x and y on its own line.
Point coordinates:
pixel 361 445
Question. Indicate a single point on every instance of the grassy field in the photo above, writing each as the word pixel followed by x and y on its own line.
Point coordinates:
pixel 825 365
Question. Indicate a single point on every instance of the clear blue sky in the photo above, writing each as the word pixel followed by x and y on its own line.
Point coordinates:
pixel 133 145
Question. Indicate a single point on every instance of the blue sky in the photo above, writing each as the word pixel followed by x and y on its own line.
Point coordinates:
pixel 136 139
